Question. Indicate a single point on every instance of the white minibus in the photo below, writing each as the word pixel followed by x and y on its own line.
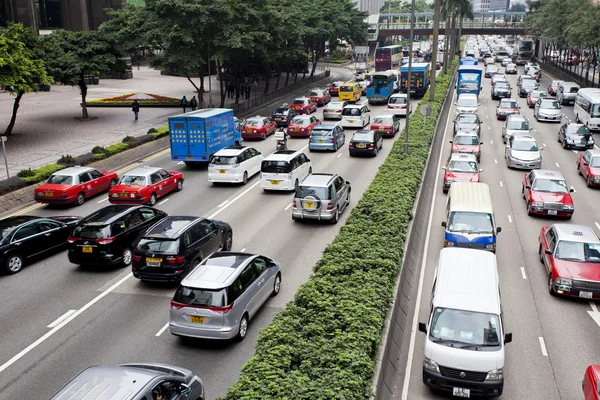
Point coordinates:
pixel 587 108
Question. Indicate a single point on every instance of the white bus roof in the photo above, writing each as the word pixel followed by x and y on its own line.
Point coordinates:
pixel 470 196
pixel 467 279
pixel 592 94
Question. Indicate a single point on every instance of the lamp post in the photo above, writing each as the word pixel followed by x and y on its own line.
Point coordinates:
pixel 410 57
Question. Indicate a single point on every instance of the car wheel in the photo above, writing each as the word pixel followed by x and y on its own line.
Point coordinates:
pixel 228 242
pixel 558 138
pixel 113 183
pixel 579 170
pixel 540 253
pixel 126 257
pixel 577 118
pixel 179 185
pixel 588 182
pixel 551 286
pixel 243 328
pixel 152 200
pixel 564 145
pixel 336 216
pixel 276 285
pixel 523 191
pixel 80 199
pixel 245 178
pixel 347 200
pixel 264 136
pixel 375 152
pixel 309 170
pixel 14 263
pixel 195 263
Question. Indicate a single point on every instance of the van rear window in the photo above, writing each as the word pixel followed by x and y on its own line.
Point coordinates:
pixel 92 232
pixel 275 167
pixel 319 193
pixel 346 89
pixel 200 297
pixel 158 245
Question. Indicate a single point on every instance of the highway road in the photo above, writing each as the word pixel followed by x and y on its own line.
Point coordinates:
pixel 58 318
pixel 555 338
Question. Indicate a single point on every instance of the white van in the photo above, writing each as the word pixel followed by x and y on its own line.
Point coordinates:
pixel 284 170
pixel 355 116
pixel 587 108
pixel 397 104
pixel 464 348
pixel 396 73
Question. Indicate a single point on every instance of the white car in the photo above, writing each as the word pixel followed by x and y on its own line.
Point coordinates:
pixel 397 104
pixel 498 77
pixel 234 164
pixel 355 116
pixel 467 102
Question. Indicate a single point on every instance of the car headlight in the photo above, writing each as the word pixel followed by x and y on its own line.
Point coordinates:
pixel 431 365
pixel 564 281
pixel 495 375
pixel 570 140
pixel 537 204
pixel 567 206
pixel 448 243
pixel 490 246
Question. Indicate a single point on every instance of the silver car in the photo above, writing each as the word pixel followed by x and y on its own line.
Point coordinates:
pixel 523 152
pixel 467 103
pixel 515 124
pixel 566 92
pixel 333 110
pixel 321 197
pixel 220 296
pixel 547 109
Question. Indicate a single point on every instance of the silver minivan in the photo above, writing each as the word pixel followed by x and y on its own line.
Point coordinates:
pixel 322 197
pixel 566 92
pixel 220 296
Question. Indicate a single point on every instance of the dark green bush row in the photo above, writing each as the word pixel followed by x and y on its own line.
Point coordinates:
pixel 11 184
pixel 324 344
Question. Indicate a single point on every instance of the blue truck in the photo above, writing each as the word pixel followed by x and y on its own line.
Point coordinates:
pixel 196 136
pixel 419 79
pixel 468 61
pixel 469 79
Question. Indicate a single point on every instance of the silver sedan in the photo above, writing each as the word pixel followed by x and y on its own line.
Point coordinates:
pixel 523 152
pixel 333 110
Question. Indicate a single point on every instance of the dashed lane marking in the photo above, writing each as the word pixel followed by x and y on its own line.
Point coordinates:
pixel 523 273
pixel 543 346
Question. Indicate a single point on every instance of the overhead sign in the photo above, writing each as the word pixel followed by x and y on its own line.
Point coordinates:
pixel 361 50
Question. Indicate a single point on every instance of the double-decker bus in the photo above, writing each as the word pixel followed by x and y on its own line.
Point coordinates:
pixel 388 57
pixel 524 52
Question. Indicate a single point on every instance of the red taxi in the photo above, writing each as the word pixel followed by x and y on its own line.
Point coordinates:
pixel 386 124
pixel 533 96
pixel 302 126
pixel 546 193
pixel 467 142
pixel 588 166
pixel 145 185
pixel 258 128
pixel 304 105
pixel 553 87
pixel 320 96
pixel 507 107
pixel 73 185
pixel 571 255
pixel 334 88
pixel 590 385
pixel 461 167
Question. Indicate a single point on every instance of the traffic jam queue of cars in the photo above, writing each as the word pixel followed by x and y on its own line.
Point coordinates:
pixel 465 336
pixel 217 291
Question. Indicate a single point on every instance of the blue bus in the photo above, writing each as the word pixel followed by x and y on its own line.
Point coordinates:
pixel 381 87
pixel 468 61
pixel 469 79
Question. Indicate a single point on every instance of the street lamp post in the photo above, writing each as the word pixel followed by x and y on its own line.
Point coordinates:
pixel 410 57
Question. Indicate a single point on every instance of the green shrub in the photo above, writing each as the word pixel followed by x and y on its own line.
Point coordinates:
pixel 24 173
pixel 116 148
pixel 152 130
pixel 66 160
pixel 160 132
pixel 128 139
pixel 97 151
pixel 42 173
pixel 12 184
pixel 324 343
pixel 99 156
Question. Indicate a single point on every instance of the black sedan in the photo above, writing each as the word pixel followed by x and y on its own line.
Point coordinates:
pixel 27 237
pixel 466 122
pixel 501 90
pixel 365 141
pixel 575 136
pixel 527 85
pixel 283 115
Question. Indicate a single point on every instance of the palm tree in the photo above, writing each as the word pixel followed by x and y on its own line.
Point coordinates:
pixel 445 10
pixel 434 51
pixel 466 10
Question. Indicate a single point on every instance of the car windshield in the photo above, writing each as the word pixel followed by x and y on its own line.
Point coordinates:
pixel 518 125
pixel 508 104
pixel 470 222
pixel 528 83
pixel 224 160
pixel 254 122
pixel 492 68
pixel 61 179
pixel 464 329
pixel 383 120
pixel 283 110
pixel 91 232
pixel 200 297
pixel 502 85
pixel 300 101
pixel 397 100
pixel 346 89
pixel 275 167
pixel 462 166
pixel 363 136
pixel 574 89
pixel 300 121
pixel 159 246
pixel 525 145
pixel 577 130
pixel 595 162
pixel 353 112
pixel 133 180
pixel 550 185
pixel 578 251
pixel 467 101
pixel 319 193
pixel 550 104
pixel 467 119
pixel 469 140
pixel 595 111
pixel 321 132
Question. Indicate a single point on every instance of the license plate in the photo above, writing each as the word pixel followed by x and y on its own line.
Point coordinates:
pixel 153 260
pixel 320 141
pixel 381 128
pixel 551 212
pixel 361 146
pixel 274 182
pixel 222 171
pixel 196 319
pixel 585 295
pixel 309 204
pixel 461 392
pixel 277 119
pixel 49 194
pixel 123 195
pixel 189 159
pixel 86 249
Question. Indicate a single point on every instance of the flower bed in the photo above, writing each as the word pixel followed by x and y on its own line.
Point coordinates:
pixel 144 99
pixel 324 344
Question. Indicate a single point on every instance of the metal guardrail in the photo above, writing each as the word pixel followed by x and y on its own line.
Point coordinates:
pixel 442 25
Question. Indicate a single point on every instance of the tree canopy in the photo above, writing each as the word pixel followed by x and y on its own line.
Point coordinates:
pixel 404 6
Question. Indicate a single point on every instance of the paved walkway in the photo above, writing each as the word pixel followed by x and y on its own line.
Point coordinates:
pixel 46 127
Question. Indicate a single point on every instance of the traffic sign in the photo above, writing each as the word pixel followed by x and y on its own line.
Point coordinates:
pixel 361 50
pixel 425 110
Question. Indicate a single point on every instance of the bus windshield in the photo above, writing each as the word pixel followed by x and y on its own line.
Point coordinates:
pixel 595 111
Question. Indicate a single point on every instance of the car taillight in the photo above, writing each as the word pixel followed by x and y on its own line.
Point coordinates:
pixel 294 204
pixel 351 146
pixel 137 258
pixel 339 111
pixel 387 127
pixel 174 260
pixel 329 207
pixel 71 239
pixel 390 106
pixel 221 310
pixel 176 306
pixel 332 140
pixel 371 146
pixel 105 241
pixel 403 107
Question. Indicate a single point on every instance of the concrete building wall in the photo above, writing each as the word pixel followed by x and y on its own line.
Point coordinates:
pixel 371 6
pixel 490 5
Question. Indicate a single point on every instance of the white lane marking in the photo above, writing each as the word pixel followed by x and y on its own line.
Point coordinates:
pixel 339 155
pixel 575 151
pixel 597 225
pixel 523 273
pixel 489 127
pixel 573 189
pixel 411 346
pixel 510 219
pixel 501 184
pixel 181 163
pixel 103 200
pixel 543 346
pixel 487 116
pixel 486 107
pixel 544 144
pixel 163 202
pixel 227 203
pixel 61 318
pixel 597 148
pixel 288 207
pixel 491 142
pixel 557 165
pixel 164 328
pixel 62 324
pixel 534 130
pixel 594 313
pixel 243 250
pixel 223 203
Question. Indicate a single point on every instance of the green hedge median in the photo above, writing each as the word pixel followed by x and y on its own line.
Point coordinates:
pixel 324 343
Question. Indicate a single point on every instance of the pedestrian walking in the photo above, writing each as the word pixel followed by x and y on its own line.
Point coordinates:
pixel 194 103
pixel 230 90
pixel 135 107
pixel 184 103
pixel 248 90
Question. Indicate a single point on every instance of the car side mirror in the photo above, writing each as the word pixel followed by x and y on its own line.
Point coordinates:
pixel 480 169
pixel 455 104
pixel 571 190
pixel 480 122
pixel 507 338
pixel 527 187
pixel 541 148
pixel 183 388
pixel 498 230
pixel 444 224
pixel 480 143
pixel 422 327
pixel 347 182
pixel 444 168
pixel 585 163
pixel 450 141
pixel 368 110
pixel 478 104
pixel 548 251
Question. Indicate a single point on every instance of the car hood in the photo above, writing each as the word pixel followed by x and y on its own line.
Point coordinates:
pixel 126 188
pixel 52 186
pixel 595 171
pixel 462 176
pixel 577 270
pixel 546 197
pixel 549 111
pixel 525 155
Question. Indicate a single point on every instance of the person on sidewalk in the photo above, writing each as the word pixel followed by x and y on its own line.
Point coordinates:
pixel 184 103
pixel 135 107
pixel 248 90
pixel 231 90
pixel 194 103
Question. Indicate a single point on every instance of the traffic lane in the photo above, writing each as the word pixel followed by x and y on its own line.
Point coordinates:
pixel 568 361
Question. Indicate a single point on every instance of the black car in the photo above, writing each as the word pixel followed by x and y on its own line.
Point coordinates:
pixel 283 116
pixel 365 141
pixel 527 85
pixel 176 245
pixel 106 236
pixel 501 90
pixel 466 122
pixel 27 237
pixel 575 136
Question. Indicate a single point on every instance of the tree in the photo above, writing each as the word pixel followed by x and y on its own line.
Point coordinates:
pixel 518 7
pixel 403 7
pixel 434 50
pixel 70 56
pixel 21 70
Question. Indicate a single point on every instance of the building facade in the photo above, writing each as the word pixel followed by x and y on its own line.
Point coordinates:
pixel 490 5
pixel 75 15
pixel 370 6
